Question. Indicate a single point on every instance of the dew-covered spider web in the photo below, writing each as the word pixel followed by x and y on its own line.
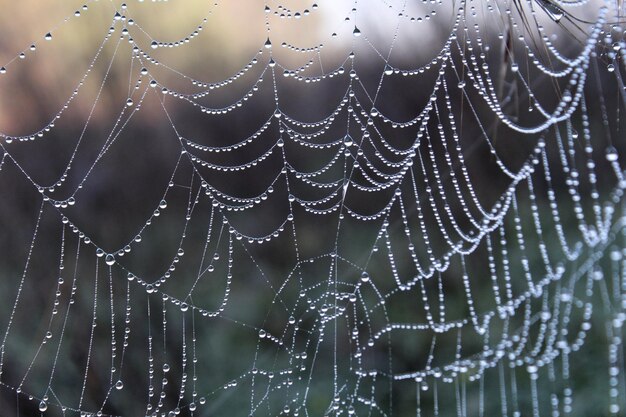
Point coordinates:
pixel 287 208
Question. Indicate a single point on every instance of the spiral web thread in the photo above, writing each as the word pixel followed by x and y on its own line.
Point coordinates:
pixel 410 288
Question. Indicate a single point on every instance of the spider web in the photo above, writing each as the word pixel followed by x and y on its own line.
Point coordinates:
pixel 387 208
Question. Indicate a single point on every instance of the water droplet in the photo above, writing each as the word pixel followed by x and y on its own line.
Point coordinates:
pixel 552 10
pixel 110 259
pixel 43 406
pixel 119 385
pixel 99 253
pixel 184 307
pixel 268 43
pixel 154 44
pixel 611 154
pixel 163 204
pixel 129 102
pixel 48 36
pixel 166 367
pixel 356 31
pixel 365 277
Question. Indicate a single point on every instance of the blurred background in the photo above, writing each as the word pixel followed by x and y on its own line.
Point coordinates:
pixel 83 127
